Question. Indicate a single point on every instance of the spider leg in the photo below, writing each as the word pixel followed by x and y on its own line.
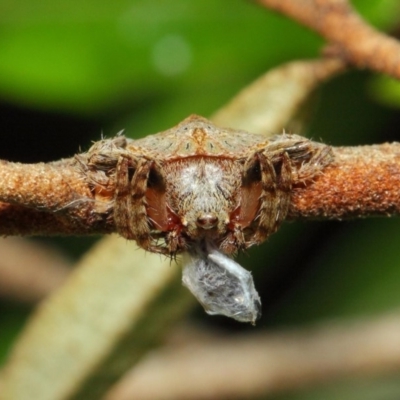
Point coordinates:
pixel 122 201
pixel 319 157
pixel 234 241
pixel 308 158
pixel 130 202
pixel 286 161
pixel 276 181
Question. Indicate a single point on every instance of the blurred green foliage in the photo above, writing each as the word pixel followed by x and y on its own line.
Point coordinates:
pixel 145 65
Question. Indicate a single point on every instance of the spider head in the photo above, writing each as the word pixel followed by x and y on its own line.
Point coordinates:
pixel 203 198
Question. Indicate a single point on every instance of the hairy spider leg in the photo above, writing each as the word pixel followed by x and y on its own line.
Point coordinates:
pixel 130 203
pixel 275 195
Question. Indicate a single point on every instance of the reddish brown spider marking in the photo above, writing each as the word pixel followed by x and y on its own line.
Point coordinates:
pixel 198 182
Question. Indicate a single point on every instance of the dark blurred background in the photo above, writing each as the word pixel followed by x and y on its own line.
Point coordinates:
pixel 72 71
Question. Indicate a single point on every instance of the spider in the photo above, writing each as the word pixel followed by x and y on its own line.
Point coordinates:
pixel 198 182
pixel 204 191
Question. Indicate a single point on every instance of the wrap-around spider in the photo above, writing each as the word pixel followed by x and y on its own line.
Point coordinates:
pixel 199 182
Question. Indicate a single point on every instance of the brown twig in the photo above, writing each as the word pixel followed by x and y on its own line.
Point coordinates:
pixel 55 198
pixel 348 34
pixel 47 199
pixel 363 181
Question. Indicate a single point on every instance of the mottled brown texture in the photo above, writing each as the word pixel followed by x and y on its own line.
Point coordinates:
pixel 48 198
pixel 363 181
pixel 349 36
pixel 17 220
pixel 52 186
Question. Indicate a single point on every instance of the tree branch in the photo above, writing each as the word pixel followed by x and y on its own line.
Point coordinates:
pixel 48 199
pixel 363 181
pixel 350 36
pixel 56 198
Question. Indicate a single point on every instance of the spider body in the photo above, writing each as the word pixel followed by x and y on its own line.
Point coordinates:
pixel 198 182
